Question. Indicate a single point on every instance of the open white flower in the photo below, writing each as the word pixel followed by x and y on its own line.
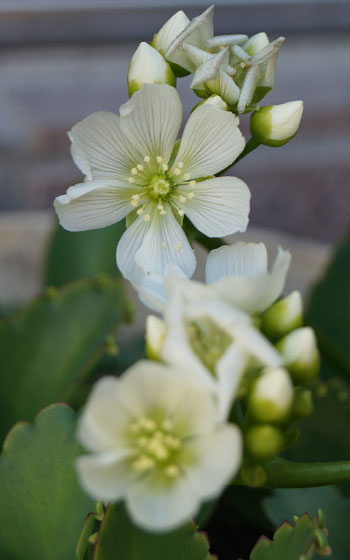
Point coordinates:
pixel 132 168
pixel 238 274
pixel 157 444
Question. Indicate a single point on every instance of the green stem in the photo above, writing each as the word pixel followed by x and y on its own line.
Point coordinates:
pixel 251 145
pixel 289 474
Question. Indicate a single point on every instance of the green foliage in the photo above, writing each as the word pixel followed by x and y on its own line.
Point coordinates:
pixel 299 542
pixel 42 508
pixel 119 538
pixel 284 503
pixel 74 255
pixel 49 347
pixel 328 313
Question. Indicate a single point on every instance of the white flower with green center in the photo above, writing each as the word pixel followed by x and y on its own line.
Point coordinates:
pixel 156 443
pixel 132 169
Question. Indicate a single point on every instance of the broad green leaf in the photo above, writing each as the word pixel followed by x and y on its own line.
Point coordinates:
pixel 328 312
pixel 74 255
pixel 284 503
pixel 42 508
pixel 119 538
pixel 291 542
pixel 48 348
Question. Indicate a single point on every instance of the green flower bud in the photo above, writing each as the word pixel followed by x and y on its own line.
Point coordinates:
pixel 283 317
pixel 302 404
pixel 271 396
pixel 155 335
pixel 275 125
pixel 147 66
pixel 300 353
pixel 263 442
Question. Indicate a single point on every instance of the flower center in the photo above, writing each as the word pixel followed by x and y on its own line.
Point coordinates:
pixel 208 341
pixel 156 446
pixel 159 186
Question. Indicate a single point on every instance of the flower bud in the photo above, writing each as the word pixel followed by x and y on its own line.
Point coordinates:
pixel 302 404
pixel 147 66
pixel 300 353
pixel 263 442
pixel 275 125
pixel 166 35
pixel 271 396
pixel 283 317
pixel 155 335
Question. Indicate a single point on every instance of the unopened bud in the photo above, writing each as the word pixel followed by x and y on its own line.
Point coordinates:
pixel 271 396
pixel 147 66
pixel 263 442
pixel 275 125
pixel 283 317
pixel 166 35
pixel 300 353
pixel 155 335
pixel 302 403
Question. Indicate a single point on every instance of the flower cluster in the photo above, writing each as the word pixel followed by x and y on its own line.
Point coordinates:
pixel 228 359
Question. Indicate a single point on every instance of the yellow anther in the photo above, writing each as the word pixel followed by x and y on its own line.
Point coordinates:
pixel 163 212
pixel 182 198
pixel 165 167
pixel 139 211
pixel 180 164
pixel 147 218
pixel 172 471
pixel 178 246
pixel 190 195
pixel 140 167
pixel 177 171
pixel 159 159
pixel 164 245
pixel 181 212
pixel 134 171
pixel 192 183
pixel 131 180
pixel 135 196
pixel 134 202
pixel 187 176
pixel 146 159
pixel 143 463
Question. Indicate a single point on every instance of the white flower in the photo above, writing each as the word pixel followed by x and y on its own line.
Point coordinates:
pixel 147 66
pixel 132 168
pixel 157 444
pixel 275 125
pixel 169 31
pixel 238 274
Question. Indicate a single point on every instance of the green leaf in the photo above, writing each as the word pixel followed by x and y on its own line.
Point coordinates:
pixel 119 538
pixel 328 312
pixel 48 348
pixel 42 508
pixel 292 542
pixel 74 255
pixel 284 503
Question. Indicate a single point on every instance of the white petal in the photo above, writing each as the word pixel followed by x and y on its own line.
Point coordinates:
pixel 155 289
pixel 161 508
pixel 209 69
pixel 105 476
pixel 100 148
pixel 220 206
pixel 165 243
pixel 224 86
pixel 151 119
pixel 239 259
pixel 210 142
pixel 128 246
pixel 104 416
pixel 221 456
pixel 93 205
pixel 255 293
pixel 229 371
pixel 170 30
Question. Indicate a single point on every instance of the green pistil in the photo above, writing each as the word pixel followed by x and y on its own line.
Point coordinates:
pixel 159 186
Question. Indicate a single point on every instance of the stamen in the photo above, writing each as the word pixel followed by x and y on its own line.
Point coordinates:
pixel 182 198
pixel 187 176
pixel 172 471
pixel 159 159
pixel 190 195
pixel 143 463
pixel 180 164
pixel 147 218
pixel 135 199
pixel 177 171
pixel 181 212
pixel 134 171
pixel 192 183
pixel 140 211
pixel 134 203
pixel 140 167
pixel 165 167
pixel 131 180
pixel 178 246
pixel 172 442
pixel 163 212
pixel 147 159
pixel 163 245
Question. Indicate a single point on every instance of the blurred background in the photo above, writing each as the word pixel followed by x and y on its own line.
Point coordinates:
pixel 62 60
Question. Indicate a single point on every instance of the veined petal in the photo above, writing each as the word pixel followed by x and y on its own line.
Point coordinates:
pixel 238 259
pixel 221 456
pixel 165 243
pixel 128 246
pixel 154 290
pixel 224 86
pixel 104 476
pixel 100 149
pixel 210 142
pixel 151 120
pixel 170 30
pixel 93 205
pixel 209 69
pixel 220 206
